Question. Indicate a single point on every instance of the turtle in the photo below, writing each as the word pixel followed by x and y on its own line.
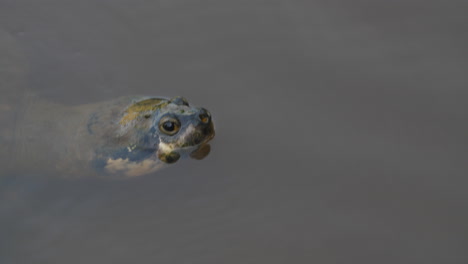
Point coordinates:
pixel 123 137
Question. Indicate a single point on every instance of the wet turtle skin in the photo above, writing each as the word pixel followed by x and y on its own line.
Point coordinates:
pixel 125 137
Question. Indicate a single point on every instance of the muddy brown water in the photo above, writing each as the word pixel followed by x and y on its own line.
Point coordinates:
pixel 341 131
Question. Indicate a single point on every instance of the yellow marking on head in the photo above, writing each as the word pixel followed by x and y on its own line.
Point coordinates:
pixel 134 110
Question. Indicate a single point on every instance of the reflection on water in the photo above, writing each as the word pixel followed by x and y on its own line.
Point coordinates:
pixel 340 131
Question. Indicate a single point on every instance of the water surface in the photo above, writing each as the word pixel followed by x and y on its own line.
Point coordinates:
pixel 341 131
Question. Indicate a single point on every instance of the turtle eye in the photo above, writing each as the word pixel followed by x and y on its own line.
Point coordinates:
pixel 169 125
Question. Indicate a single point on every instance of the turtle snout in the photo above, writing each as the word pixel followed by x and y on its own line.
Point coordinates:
pixel 205 128
pixel 204 116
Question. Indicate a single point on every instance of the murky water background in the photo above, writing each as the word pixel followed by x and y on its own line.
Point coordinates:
pixel 341 131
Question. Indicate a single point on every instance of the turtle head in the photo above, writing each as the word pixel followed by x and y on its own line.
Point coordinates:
pixel 157 131
pixel 182 130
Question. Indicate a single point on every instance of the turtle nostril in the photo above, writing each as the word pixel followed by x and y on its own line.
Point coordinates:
pixel 204 116
pixel 205 119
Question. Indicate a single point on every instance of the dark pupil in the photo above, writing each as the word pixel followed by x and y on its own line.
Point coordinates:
pixel 169 126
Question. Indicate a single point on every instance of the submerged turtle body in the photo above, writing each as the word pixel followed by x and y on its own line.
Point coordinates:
pixel 128 136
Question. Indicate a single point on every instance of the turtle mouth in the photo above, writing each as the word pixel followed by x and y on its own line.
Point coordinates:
pixel 209 133
pixel 210 137
pixel 203 148
pixel 200 136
